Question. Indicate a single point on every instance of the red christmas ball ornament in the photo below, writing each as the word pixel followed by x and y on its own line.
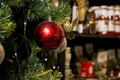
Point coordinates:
pixel 49 35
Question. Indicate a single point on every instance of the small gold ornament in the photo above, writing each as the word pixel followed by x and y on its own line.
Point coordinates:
pixel 68 27
pixel 9 24
pixel 55 2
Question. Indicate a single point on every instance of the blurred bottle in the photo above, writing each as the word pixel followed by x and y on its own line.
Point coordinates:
pixel 75 14
pixel 81 26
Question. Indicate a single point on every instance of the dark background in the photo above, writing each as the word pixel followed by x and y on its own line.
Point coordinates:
pixel 103 2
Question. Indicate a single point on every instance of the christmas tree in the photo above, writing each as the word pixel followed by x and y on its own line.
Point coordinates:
pixel 18 20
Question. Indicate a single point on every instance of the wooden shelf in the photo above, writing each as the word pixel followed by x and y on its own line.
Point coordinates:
pixel 96 36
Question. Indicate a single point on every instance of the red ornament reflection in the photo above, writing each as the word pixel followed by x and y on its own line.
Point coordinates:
pixel 49 35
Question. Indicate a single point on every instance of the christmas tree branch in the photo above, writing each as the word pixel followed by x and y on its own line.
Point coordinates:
pixel 45 9
pixel 7 26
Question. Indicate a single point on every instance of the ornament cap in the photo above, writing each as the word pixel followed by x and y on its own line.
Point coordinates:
pixel 49 19
pixel 68 47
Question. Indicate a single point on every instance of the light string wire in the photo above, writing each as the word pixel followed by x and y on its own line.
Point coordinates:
pixel 25 23
pixel 19 70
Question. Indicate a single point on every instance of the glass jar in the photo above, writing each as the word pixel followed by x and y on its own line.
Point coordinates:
pixel 103 20
pixel 111 72
pixel 86 29
pixel 118 76
pixel 111 23
pixel 118 72
pixel 96 11
pixel 92 29
pixel 90 15
pixel 117 20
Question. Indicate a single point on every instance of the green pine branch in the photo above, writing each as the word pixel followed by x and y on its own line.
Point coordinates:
pixel 46 9
pixel 7 26
pixel 33 69
pixel 15 3
pixel 35 10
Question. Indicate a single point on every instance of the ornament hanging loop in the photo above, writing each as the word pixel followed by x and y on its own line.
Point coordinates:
pixel 49 17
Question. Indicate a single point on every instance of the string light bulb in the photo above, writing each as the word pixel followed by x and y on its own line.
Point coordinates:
pixel 15 54
pixel 1 3
pixel 25 23
pixel 45 59
pixel 54 67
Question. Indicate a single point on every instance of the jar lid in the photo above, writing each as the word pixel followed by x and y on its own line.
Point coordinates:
pixel 110 7
pixel 94 7
pixel 116 8
pixel 90 10
pixel 103 6
pixel 91 22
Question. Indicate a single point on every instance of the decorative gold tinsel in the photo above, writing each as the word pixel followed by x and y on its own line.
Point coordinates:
pixel 49 71
pixel 9 24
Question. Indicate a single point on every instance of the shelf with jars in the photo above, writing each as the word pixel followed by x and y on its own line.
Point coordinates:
pixel 96 36
pixel 101 20
pixel 96 42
